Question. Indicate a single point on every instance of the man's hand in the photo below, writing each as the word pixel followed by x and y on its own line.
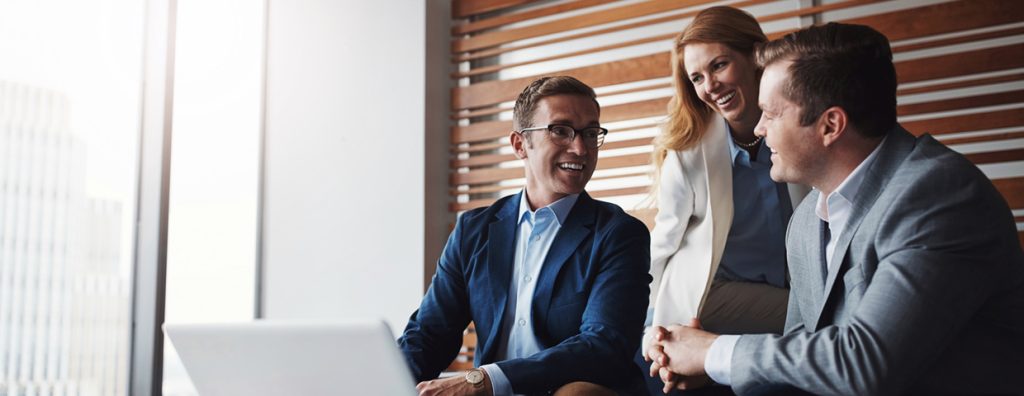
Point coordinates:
pixel 455 386
pixel 677 355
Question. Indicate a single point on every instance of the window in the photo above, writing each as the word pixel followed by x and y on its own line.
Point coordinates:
pixel 70 92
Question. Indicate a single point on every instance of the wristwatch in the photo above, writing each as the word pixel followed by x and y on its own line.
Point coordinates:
pixel 475 377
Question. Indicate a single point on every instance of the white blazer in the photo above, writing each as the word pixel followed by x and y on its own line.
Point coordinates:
pixel 694 215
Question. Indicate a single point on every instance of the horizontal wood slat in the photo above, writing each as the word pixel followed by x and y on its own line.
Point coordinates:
pixel 960 84
pixel 985 138
pixel 990 157
pixel 491 69
pixel 645 215
pixel 967 122
pixel 634 110
pixel 622 71
pixel 962 103
pixel 501 20
pixel 632 10
pixel 467 8
pixel 943 18
pixel 961 63
pixel 615 192
pixel 959 40
pixel 1012 189
pixel 481 131
pixel 481 160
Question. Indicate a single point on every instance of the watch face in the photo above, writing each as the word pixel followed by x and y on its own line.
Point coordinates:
pixel 475 377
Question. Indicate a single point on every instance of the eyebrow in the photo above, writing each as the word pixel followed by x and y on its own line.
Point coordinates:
pixel 570 123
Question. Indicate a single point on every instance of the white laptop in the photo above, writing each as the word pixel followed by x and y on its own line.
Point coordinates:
pixel 264 358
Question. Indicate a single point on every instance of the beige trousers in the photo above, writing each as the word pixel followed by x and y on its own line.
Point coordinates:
pixel 744 308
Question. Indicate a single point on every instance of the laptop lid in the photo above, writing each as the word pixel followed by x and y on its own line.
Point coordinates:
pixel 292 358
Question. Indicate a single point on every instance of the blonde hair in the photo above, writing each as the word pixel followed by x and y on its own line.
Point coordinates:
pixel 688 116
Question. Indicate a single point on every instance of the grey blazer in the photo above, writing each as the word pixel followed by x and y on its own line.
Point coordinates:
pixel 928 296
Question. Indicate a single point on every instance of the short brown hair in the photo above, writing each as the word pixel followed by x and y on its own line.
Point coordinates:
pixel 526 104
pixel 844 65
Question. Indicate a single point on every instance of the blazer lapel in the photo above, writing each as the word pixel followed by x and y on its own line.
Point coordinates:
pixel 894 150
pixel 500 255
pixel 578 225
pixel 718 163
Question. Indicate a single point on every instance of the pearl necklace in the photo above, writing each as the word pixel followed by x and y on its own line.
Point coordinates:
pixel 747 145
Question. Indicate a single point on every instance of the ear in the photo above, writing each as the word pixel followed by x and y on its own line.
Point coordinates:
pixel 518 144
pixel 832 124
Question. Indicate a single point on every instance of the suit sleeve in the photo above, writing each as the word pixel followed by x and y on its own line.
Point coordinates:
pixel 794 312
pixel 794 317
pixel 941 248
pixel 433 336
pixel 612 321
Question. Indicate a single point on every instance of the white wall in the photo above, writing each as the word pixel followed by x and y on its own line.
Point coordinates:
pixel 345 189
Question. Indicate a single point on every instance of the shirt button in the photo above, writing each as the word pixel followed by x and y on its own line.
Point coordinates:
pixel 528 278
pixel 536 238
pixel 522 322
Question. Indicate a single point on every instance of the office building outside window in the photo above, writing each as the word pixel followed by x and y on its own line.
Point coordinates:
pixel 70 88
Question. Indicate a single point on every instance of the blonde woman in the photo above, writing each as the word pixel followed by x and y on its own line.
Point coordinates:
pixel 718 246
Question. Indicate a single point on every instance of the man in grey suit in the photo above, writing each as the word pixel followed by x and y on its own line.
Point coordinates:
pixel 907 275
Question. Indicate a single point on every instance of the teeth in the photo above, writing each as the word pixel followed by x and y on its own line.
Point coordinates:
pixel 571 165
pixel 725 98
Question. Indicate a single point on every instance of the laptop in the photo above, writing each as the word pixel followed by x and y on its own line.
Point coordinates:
pixel 264 358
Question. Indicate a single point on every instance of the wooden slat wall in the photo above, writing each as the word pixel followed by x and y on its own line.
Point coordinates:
pixel 960 64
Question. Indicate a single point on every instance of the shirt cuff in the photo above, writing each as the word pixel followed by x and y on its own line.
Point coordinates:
pixel 645 341
pixel 718 362
pixel 499 382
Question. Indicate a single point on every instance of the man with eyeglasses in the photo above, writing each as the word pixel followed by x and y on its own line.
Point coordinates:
pixel 555 281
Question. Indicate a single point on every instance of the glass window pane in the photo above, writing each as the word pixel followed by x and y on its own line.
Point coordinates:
pixel 211 272
pixel 70 91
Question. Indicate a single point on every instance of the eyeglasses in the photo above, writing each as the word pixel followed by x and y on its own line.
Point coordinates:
pixel 563 135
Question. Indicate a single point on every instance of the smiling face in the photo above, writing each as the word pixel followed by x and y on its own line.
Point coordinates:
pixel 725 80
pixel 798 152
pixel 554 171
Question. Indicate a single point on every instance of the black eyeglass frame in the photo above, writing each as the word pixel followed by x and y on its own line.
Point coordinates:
pixel 562 140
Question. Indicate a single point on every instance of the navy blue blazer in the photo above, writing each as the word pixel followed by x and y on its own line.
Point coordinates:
pixel 588 308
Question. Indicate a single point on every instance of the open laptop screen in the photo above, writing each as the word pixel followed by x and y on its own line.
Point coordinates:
pixel 292 358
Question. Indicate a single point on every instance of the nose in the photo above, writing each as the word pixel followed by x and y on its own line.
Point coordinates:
pixel 760 129
pixel 711 85
pixel 577 145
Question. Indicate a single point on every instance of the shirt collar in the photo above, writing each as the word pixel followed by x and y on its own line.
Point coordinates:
pixel 738 155
pixel 560 207
pixel 742 157
pixel 847 190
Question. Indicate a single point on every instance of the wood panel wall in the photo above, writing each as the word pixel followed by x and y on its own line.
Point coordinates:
pixel 960 65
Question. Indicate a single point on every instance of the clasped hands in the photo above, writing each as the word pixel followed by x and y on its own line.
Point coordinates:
pixel 677 355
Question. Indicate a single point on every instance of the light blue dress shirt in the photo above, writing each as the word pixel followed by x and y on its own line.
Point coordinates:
pixel 755 250
pixel 535 235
